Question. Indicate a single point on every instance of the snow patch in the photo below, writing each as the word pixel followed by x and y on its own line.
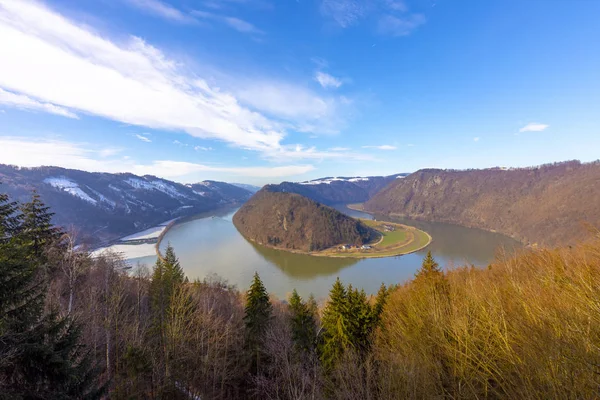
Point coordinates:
pixel 128 251
pixel 328 181
pixel 154 185
pixel 70 187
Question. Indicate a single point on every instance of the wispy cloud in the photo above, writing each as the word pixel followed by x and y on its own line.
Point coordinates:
pixel 476 139
pixel 344 12
pixel 28 152
pixel 168 12
pixel 143 138
pixel 393 16
pixel 236 23
pixel 400 25
pixel 327 81
pixel 27 103
pixel 241 25
pixel 202 148
pixel 163 10
pixel 381 147
pixel 534 127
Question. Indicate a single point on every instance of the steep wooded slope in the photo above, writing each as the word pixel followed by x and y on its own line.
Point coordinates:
pixel 549 204
pixel 291 221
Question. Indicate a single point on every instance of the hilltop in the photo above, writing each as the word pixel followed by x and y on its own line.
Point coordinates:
pixel 549 204
pixel 291 221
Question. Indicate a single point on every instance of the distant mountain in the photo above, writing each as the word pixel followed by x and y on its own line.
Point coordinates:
pixel 250 188
pixel 292 221
pixel 105 206
pixel 549 204
pixel 336 190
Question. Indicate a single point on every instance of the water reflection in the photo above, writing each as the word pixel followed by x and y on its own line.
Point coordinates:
pixel 303 266
pixel 211 244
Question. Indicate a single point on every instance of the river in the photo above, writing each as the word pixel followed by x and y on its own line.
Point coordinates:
pixel 212 245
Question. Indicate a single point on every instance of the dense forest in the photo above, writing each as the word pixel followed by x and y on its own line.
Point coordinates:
pixel 73 327
pixel 292 221
pixel 547 205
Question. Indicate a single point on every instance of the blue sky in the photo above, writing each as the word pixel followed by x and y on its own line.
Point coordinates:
pixel 262 91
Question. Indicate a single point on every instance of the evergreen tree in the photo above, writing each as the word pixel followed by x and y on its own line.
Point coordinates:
pixel 167 281
pixel 302 323
pixel 336 336
pixel 36 225
pixel 10 219
pixel 380 300
pixel 258 314
pixel 40 354
pixel 429 270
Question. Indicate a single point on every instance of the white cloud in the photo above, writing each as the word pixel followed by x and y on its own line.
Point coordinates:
pixel 202 148
pixel 476 139
pixel 109 152
pixel 534 127
pixel 339 149
pixel 33 152
pixel 300 108
pixel 299 152
pixel 26 103
pixel 381 147
pixel 143 138
pixel 163 10
pixel 47 57
pixel 327 81
pixel 400 25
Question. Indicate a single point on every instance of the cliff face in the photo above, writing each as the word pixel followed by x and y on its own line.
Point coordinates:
pixel 291 221
pixel 549 204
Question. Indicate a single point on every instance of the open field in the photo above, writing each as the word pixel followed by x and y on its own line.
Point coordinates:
pixel 396 239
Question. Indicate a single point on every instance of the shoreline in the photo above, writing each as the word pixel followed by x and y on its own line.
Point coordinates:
pixel 359 207
pixel 360 256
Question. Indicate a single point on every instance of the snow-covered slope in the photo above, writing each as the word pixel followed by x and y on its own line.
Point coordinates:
pixel 105 206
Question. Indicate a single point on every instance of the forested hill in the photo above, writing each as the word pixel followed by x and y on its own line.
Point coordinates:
pixel 549 204
pixel 103 206
pixel 336 190
pixel 291 221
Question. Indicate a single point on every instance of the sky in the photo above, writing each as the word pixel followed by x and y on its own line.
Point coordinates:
pixel 262 91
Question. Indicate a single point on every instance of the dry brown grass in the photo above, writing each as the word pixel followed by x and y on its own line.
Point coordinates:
pixel 526 327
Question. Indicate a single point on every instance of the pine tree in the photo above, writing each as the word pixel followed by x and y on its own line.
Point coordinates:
pixel 303 324
pixel 380 301
pixel 36 225
pixel 430 269
pixel 40 354
pixel 167 281
pixel 257 318
pixel 336 334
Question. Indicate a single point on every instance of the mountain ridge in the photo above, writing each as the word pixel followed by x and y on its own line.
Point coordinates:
pixel 547 204
pixel 105 206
